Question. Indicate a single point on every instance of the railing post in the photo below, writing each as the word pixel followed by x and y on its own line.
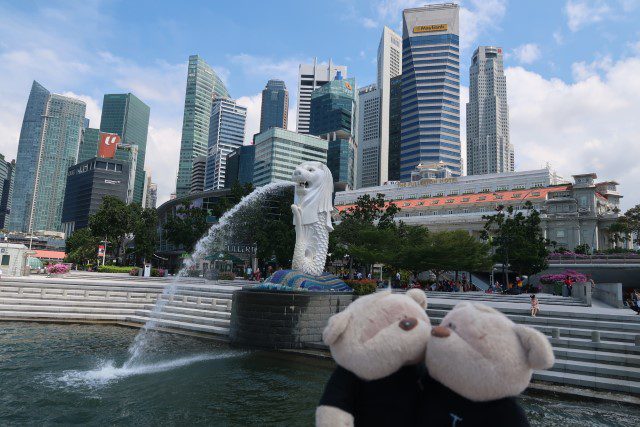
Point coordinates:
pixel 595 336
pixel 199 301
pixel 43 293
pixel 214 302
pixel 555 333
pixel 20 291
pixel 637 340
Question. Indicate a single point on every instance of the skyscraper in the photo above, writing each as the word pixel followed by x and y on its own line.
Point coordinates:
pixel 333 117
pixel 430 88
pixel 368 136
pixel 6 188
pixel 395 121
pixel 203 85
pixel 127 116
pixel 226 132
pixel 488 146
pixel 48 146
pixel 311 77
pixel 88 144
pixel 197 174
pixel 389 66
pixel 151 197
pixel 240 166
pixel 278 152
pixel 275 106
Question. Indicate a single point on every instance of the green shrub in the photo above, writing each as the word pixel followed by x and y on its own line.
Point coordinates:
pixel 226 275
pixel 134 271
pixel 362 287
pixel 157 272
pixel 115 269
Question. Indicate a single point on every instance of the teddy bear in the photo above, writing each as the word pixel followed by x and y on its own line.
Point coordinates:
pixel 379 343
pixel 478 360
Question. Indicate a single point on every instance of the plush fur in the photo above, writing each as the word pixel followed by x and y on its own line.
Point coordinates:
pixel 374 338
pixel 478 353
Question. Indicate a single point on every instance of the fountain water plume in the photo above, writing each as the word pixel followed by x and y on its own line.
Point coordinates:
pixel 217 234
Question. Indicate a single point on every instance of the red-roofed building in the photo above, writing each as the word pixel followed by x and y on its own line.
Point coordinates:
pixel 572 214
pixel 49 256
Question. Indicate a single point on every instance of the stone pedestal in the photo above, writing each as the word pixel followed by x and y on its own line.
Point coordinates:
pixel 282 320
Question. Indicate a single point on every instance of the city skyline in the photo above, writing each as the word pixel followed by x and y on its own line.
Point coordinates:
pixel 585 49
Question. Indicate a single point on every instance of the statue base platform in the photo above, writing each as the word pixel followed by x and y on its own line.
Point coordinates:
pixel 296 280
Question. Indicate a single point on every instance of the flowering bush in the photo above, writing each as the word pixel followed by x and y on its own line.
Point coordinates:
pixel 157 272
pixel 363 286
pixel 226 275
pixel 58 269
pixel 572 275
pixel 134 271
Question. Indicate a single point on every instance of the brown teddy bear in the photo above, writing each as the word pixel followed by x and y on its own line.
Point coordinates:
pixel 379 343
pixel 477 361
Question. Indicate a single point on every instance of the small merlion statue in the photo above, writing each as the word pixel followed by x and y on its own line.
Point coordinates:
pixel 311 209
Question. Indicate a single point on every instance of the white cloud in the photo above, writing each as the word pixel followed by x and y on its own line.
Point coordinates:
pixel 253 105
pixel 527 53
pixel 582 70
pixel 369 23
pixel 558 37
pixel 587 126
pixel 583 12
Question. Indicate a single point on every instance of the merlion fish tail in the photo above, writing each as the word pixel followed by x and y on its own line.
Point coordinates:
pixel 312 242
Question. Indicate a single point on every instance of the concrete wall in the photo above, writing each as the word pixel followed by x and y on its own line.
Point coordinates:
pixel 275 319
pixel 609 293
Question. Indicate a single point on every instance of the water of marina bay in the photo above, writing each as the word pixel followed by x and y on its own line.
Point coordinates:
pixel 73 374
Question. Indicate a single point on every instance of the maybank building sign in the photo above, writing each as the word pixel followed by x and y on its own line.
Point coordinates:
pixel 430 28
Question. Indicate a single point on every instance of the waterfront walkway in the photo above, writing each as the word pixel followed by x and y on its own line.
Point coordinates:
pixel 596 347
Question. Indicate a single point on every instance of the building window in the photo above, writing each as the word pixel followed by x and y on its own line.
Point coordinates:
pixel 439 194
pixel 560 233
pixel 449 200
pixel 466 211
pixel 6 259
pixel 450 212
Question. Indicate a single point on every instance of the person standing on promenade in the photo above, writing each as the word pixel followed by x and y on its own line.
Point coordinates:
pixel 634 302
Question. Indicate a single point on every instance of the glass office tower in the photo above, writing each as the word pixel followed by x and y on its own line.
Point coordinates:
pixel 430 129
pixel 203 86
pixel 275 106
pixel 48 146
pixel 127 116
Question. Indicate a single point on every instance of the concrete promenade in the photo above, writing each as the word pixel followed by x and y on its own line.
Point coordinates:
pixel 596 347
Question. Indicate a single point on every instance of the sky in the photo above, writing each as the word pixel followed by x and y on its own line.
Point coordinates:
pixel 572 66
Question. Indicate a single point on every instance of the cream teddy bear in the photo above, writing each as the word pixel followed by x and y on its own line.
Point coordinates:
pixel 379 343
pixel 477 361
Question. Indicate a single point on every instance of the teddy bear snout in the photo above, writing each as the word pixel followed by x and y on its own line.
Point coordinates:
pixel 408 323
pixel 440 332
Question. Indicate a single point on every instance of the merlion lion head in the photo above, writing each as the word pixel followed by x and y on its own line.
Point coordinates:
pixel 313 193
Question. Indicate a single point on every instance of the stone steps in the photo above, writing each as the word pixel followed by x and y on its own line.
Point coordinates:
pixel 219 331
pixel 481 296
pixel 217 312
pixel 591 381
pixel 604 357
pixel 185 318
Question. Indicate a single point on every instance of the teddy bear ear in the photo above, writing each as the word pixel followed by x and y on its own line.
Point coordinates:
pixel 336 326
pixel 536 346
pixel 418 296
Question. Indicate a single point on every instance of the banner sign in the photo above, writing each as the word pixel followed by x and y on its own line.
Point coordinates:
pixel 101 250
pixel 108 144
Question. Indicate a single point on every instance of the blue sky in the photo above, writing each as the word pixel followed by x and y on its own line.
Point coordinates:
pixel 572 66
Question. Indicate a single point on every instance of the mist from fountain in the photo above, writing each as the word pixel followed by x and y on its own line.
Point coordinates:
pixel 218 235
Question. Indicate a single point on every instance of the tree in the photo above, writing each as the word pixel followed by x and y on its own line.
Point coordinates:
pixel 364 231
pixel 186 227
pixel 82 247
pixel 238 191
pixel 632 217
pixel 146 234
pixel 113 222
pixel 517 239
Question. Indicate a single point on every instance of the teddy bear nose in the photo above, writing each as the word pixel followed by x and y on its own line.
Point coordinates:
pixel 408 323
pixel 440 331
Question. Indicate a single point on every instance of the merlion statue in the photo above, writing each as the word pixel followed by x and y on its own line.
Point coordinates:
pixel 311 209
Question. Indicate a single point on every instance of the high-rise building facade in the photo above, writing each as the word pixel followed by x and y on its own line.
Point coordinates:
pixel 395 122
pixel 203 85
pixel 278 152
pixel 430 88
pixel 151 199
pixel 197 174
pixel 333 117
pixel 88 144
pixel 86 185
pixel 6 188
pixel 311 77
pixel 368 133
pixel 48 146
pixel 226 133
pixel 275 106
pixel 389 66
pixel 240 166
pixel 126 115
pixel 488 147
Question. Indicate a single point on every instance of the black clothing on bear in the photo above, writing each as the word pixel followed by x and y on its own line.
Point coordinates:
pixel 441 407
pixel 389 401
